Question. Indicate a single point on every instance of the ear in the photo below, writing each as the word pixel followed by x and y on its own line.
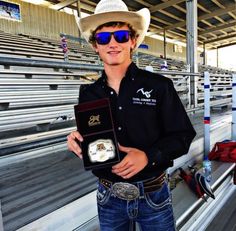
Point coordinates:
pixel 95 47
pixel 133 43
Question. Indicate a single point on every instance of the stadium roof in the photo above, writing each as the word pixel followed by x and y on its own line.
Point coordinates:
pixel 216 18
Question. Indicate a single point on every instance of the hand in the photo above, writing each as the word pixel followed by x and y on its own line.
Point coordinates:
pixel 134 162
pixel 73 145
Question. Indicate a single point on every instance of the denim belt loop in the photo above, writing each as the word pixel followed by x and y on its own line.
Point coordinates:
pixel 141 189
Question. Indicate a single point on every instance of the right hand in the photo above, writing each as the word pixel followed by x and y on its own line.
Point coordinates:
pixel 73 145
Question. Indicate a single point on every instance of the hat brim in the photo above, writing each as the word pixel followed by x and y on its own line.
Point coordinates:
pixel 138 20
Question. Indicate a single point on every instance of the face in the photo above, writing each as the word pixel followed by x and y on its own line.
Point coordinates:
pixel 115 53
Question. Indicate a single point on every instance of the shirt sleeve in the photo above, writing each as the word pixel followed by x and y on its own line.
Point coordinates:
pixel 82 93
pixel 176 129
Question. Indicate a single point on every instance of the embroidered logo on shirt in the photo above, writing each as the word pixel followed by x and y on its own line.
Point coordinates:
pixel 146 93
pixel 144 98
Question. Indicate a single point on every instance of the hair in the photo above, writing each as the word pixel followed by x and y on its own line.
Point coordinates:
pixel 133 33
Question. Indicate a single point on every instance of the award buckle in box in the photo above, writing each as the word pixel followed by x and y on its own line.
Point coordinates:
pixel 95 124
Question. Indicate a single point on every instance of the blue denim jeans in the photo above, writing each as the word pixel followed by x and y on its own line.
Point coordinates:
pixel 152 211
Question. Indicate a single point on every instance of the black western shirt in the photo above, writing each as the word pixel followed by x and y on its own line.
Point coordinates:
pixel 148 115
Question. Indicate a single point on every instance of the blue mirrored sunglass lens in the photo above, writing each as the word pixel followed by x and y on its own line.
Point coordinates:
pixel 121 36
pixel 103 37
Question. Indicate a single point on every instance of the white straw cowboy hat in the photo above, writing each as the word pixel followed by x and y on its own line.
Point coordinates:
pixel 115 11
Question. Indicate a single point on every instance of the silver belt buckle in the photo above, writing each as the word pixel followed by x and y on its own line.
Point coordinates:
pixel 125 191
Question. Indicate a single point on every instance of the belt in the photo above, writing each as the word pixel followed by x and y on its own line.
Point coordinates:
pixel 130 191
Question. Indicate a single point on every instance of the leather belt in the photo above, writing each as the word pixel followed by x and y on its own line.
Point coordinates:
pixel 130 191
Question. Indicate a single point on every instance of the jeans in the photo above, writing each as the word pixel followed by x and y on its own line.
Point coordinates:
pixel 152 211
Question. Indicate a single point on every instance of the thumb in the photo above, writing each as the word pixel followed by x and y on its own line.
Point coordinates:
pixel 124 149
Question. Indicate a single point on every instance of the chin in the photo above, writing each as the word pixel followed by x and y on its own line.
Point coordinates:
pixel 113 62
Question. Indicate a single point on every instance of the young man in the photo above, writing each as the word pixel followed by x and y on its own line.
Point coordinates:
pixel 151 124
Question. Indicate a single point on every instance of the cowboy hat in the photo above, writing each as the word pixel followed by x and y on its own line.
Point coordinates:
pixel 115 11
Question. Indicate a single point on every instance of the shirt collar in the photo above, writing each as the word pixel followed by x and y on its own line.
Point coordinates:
pixel 131 73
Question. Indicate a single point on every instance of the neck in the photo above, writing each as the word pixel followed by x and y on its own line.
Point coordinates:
pixel 115 73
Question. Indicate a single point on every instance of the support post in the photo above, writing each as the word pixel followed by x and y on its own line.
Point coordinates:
pixel 191 20
pixel 207 117
pixel 164 35
pixel 1 222
pixel 233 135
pixel 204 54
pixel 79 15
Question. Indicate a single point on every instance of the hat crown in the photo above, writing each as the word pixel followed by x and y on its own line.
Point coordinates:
pixel 105 6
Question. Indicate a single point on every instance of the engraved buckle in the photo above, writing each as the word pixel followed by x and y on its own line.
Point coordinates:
pixel 101 150
pixel 125 191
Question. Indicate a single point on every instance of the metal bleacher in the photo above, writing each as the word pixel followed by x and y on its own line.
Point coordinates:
pixel 43 186
pixel 38 174
pixel 33 47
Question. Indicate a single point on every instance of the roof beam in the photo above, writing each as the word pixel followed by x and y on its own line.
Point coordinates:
pixel 208 11
pixel 164 5
pixel 219 19
pixel 232 15
pixel 207 23
pixel 160 20
pixel 90 2
pixel 231 7
pixel 171 15
pixel 226 45
pixel 148 5
pixel 156 18
pixel 203 8
pixel 207 30
pixel 179 8
pixel 232 35
pixel 218 4
pixel 219 12
pixel 63 4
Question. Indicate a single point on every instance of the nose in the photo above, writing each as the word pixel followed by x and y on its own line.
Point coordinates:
pixel 113 42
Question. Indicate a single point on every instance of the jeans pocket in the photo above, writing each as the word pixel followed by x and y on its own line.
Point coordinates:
pixel 103 194
pixel 160 199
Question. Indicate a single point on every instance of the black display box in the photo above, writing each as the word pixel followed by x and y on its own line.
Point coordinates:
pixel 94 122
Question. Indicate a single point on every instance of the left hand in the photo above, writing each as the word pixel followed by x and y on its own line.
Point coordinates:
pixel 134 162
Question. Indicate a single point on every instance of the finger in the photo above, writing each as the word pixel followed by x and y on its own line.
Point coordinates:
pixel 120 165
pixel 121 169
pixel 129 175
pixel 73 146
pixel 126 172
pixel 79 155
pixel 73 136
pixel 77 135
pixel 124 149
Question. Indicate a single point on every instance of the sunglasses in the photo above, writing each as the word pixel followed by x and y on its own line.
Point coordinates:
pixel 121 36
